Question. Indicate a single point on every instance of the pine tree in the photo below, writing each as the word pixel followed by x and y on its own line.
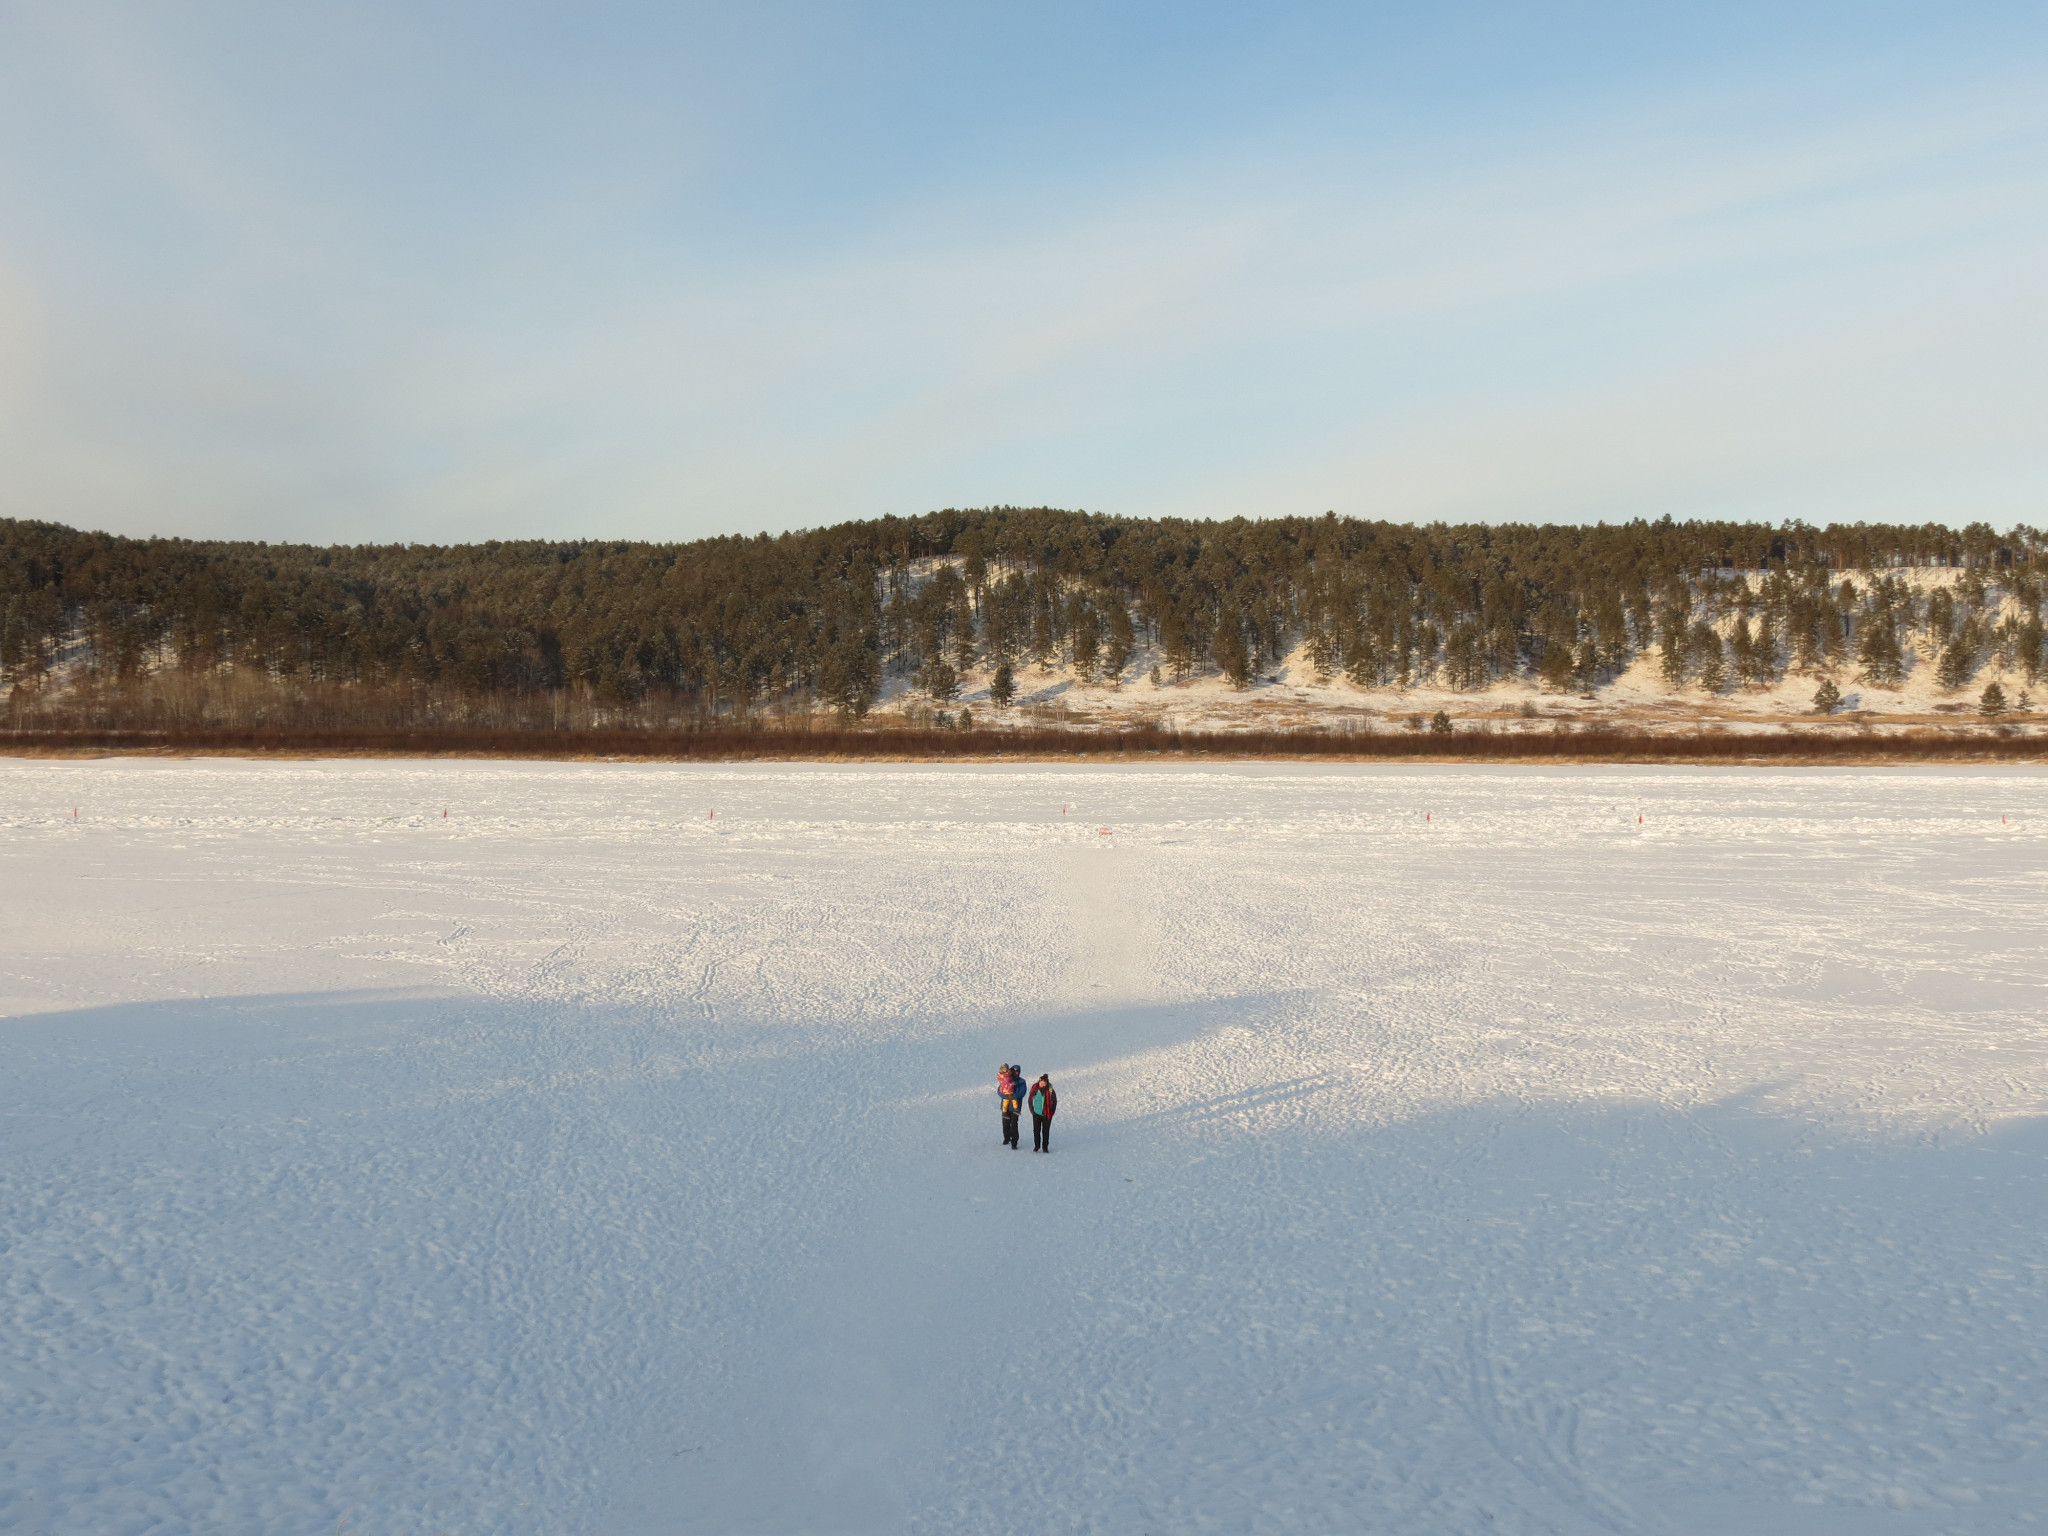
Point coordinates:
pixel 1956 664
pixel 1174 643
pixel 1884 664
pixel 1002 688
pixel 1084 632
pixel 1827 698
pixel 1672 649
pixel 2028 645
pixel 1833 628
pixel 1941 615
pixel 1228 648
pixel 1117 648
pixel 1763 655
pixel 961 627
pixel 1992 701
pixel 1362 660
pixel 1710 659
pixel 1588 668
pixel 938 679
pixel 1323 650
pixel 1742 648
pixel 849 678
pixel 1803 628
pixel 1044 643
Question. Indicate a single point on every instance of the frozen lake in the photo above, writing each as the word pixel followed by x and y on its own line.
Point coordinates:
pixel 1440 1150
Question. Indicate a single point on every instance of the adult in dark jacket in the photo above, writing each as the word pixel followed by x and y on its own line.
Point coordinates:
pixel 1044 1102
pixel 1010 1096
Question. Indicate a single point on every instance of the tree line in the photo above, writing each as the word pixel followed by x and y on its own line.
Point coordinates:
pixel 595 631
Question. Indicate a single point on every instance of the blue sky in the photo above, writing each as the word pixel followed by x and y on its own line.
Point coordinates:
pixel 437 272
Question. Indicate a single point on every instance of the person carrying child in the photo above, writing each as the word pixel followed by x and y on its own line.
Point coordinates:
pixel 1010 1096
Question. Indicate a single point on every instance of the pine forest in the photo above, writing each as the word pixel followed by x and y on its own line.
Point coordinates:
pixel 982 609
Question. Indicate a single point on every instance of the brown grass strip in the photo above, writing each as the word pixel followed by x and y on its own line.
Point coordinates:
pixel 910 745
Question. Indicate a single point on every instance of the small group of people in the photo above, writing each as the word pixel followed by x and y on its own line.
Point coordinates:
pixel 1015 1098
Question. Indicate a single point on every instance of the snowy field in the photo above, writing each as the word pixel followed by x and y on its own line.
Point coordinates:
pixel 1440 1150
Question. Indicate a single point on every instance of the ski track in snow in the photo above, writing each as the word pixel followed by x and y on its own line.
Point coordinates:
pixel 579 1163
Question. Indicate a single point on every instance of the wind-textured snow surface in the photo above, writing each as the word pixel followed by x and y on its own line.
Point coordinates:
pixel 1439 1150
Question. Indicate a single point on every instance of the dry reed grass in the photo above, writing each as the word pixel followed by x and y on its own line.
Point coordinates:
pixel 800 742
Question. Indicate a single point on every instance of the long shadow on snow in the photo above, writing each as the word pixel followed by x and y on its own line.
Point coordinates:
pixel 785 1251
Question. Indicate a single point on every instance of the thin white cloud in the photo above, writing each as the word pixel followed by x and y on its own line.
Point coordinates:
pixel 969 357
pixel 1671 309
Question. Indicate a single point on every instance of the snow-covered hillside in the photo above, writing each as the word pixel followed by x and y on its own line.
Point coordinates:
pixel 1293 693
pixel 1439 1151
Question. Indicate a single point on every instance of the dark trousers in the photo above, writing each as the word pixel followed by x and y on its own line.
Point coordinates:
pixel 1010 1129
pixel 1041 1133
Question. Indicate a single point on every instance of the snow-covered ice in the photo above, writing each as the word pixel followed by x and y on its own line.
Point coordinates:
pixel 1440 1150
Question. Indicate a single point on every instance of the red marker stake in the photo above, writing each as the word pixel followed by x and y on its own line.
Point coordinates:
pixel 444 813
